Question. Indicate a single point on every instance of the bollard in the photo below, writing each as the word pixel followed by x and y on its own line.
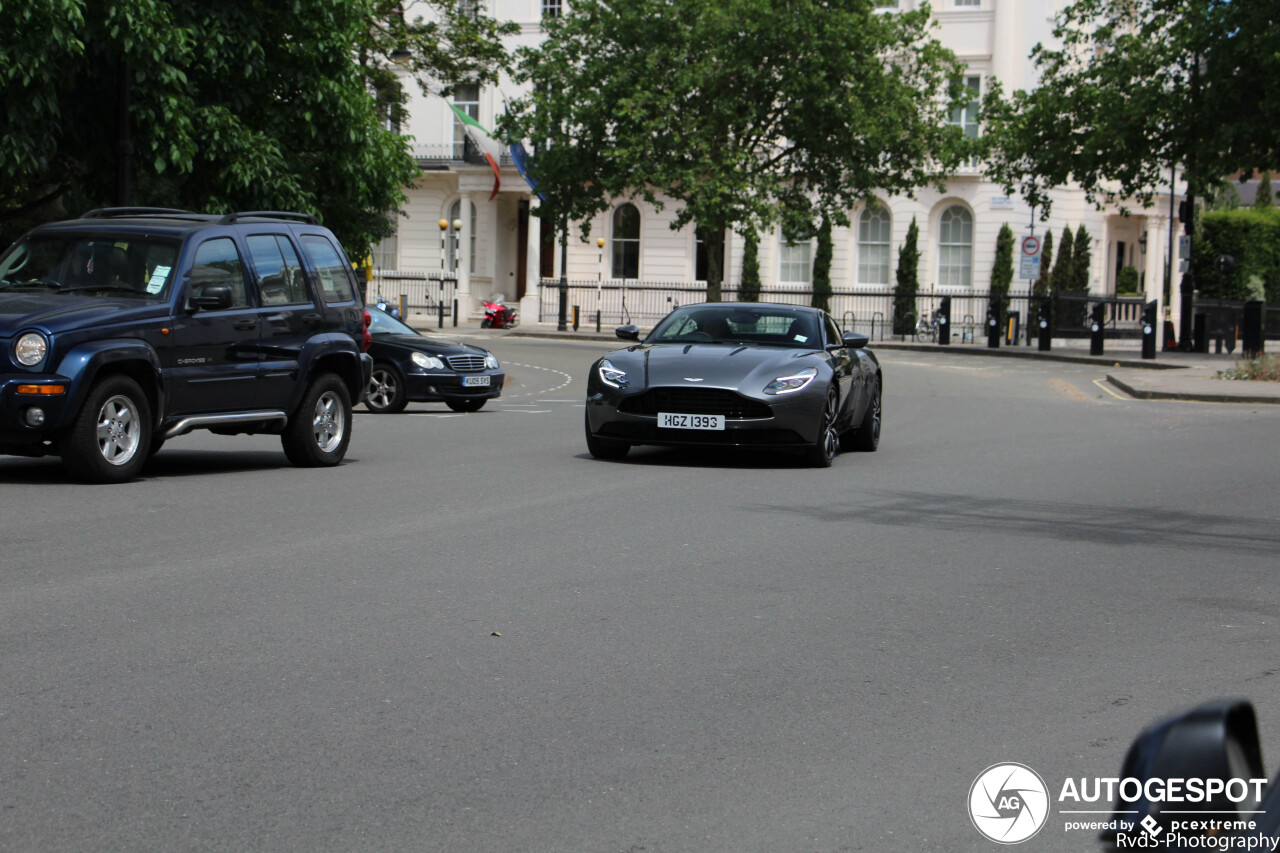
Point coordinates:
pixel 944 321
pixel 1097 328
pixel 1044 321
pixel 440 311
pixel 1252 337
pixel 575 318
pixel 597 321
pixel 1149 329
pixel 993 326
pixel 455 313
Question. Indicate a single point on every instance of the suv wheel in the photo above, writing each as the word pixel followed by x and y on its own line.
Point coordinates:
pixel 109 440
pixel 319 431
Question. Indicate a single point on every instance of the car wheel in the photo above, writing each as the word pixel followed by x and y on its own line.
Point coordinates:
pixel 824 449
pixel 109 440
pixel 320 430
pixel 386 391
pixel 466 405
pixel 604 448
pixel 866 437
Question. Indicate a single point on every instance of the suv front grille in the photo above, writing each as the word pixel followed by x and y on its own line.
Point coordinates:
pixel 695 401
pixel 466 362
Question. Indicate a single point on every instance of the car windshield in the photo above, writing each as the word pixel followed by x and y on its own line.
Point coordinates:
pixel 384 324
pixel 772 325
pixel 97 265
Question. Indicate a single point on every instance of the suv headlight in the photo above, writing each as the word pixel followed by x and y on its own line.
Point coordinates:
pixel 490 361
pixel 611 375
pixel 30 349
pixel 427 362
pixel 794 382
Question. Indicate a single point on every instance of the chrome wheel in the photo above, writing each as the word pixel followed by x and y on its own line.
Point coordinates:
pixel 119 430
pixel 827 445
pixel 329 423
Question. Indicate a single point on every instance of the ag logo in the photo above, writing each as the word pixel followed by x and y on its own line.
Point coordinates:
pixel 1008 803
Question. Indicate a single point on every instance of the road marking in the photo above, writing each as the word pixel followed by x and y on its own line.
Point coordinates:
pixel 567 379
pixel 1100 384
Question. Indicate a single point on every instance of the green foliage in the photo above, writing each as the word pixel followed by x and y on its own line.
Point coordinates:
pixel 1002 269
pixel 908 282
pixel 749 289
pixel 240 104
pixel 1064 267
pixel 1264 368
pixel 822 268
pixel 1249 235
pixel 1127 281
pixel 1041 285
pixel 1138 86
pixel 746 113
pixel 1264 199
pixel 1081 261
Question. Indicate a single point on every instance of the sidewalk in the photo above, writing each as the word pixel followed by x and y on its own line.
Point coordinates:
pixel 1169 376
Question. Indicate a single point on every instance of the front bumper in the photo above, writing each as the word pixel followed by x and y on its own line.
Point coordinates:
pixel 433 387
pixel 14 407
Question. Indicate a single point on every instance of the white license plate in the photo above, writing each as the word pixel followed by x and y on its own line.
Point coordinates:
pixel 475 382
pixel 670 420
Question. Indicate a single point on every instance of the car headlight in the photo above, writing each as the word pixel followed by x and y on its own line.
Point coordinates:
pixel 611 375
pixel 30 349
pixel 427 362
pixel 794 382
pixel 490 362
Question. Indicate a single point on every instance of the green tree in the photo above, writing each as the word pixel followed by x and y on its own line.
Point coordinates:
pixel 1002 272
pixel 749 290
pixel 743 112
pixel 1064 266
pixel 822 268
pixel 1041 286
pixel 240 104
pixel 1081 261
pixel 1138 86
pixel 1264 198
pixel 907 282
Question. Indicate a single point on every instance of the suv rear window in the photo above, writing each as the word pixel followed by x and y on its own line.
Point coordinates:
pixel 335 279
pixel 280 278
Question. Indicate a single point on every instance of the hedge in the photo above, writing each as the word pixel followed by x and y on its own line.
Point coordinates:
pixel 1249 235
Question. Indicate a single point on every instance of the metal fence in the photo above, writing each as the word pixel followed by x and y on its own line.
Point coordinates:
pixel 424 293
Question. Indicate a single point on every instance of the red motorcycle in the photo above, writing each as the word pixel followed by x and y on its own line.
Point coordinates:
pixel 498 315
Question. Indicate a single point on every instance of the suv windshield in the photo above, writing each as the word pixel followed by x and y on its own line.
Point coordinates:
pixel 118 265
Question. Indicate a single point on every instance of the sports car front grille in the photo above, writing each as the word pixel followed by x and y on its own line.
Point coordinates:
pixel 466 362
pixel 695 401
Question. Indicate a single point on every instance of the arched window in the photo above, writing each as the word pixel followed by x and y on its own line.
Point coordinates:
pixel 455 213
pixel 873 246
pixel 955 247
pixel 626 242
pixel 794 260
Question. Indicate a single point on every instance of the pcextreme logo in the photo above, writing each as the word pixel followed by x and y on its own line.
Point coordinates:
pixel 1008 803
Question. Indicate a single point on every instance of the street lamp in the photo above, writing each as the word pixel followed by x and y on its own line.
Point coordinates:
pixel 599 280
pixel 444 231
pixel 457 264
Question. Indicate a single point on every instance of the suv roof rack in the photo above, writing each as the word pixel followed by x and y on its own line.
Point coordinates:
pixel 268 214
pixel 112 212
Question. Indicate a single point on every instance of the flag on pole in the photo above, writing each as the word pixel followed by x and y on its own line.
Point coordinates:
pixel 520 156
pixel 484 143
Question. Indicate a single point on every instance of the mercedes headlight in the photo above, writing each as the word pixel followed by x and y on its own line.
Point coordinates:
pixel 427 362
pixel 490 361
pixel 30 349
pixel 794 382
pixel 611 375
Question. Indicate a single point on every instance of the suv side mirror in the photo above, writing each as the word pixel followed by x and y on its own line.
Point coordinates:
pixel 211 297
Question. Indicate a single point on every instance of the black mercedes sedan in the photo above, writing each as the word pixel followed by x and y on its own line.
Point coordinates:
pixel 412 367
pixel 738 374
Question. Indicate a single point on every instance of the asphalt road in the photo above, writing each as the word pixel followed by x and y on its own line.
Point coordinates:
pixel 474 637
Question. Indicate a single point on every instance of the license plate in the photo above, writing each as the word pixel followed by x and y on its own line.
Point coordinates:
pixel 670 420
pixel 475 382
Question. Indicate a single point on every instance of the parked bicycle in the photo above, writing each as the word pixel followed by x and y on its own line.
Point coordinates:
pixel 927 328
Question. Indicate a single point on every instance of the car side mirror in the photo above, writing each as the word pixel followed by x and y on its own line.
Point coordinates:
pixel 1215 744
pixel 629 332
pixel 854 340
pixel 211 297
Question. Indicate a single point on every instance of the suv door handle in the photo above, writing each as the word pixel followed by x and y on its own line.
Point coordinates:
pixel 311 319
pixel 244 325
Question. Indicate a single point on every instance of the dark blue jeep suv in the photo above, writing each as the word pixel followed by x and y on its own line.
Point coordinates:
pixel 131 326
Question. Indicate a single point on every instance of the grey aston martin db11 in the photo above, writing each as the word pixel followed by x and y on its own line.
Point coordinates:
pixel 737 374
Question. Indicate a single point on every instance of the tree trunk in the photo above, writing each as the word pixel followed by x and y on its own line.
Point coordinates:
pixel 713 245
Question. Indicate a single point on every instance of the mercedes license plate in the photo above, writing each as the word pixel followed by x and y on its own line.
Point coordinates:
pixel 475 382
pixel 670 420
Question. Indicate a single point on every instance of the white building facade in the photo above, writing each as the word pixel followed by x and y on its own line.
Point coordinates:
pixel 503 248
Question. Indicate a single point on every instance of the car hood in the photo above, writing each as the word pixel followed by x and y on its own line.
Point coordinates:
pixel 422 343
pixel 61 313
pixel 712 365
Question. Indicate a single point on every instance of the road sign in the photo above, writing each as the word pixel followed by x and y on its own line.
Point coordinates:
pixel 1029 267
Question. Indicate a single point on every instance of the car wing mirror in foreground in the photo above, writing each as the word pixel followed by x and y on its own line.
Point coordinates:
pixel 854 340
pixel 211 297
pixel 1192 776
pixel 629 332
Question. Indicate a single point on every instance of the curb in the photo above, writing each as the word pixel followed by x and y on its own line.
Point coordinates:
pixel 1148 394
